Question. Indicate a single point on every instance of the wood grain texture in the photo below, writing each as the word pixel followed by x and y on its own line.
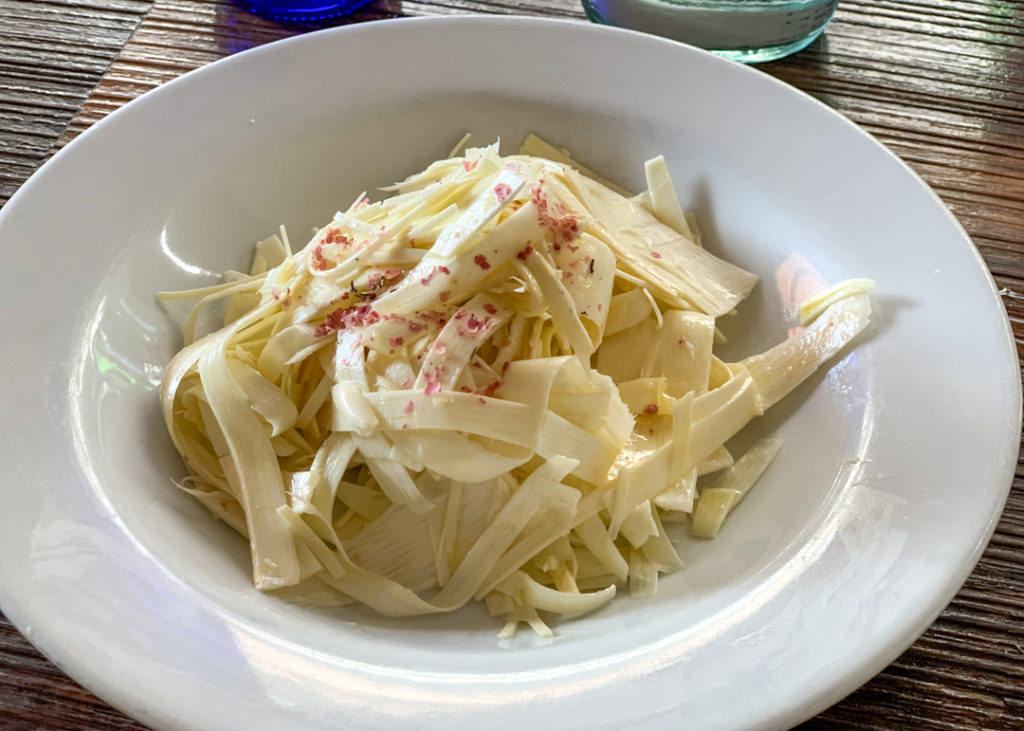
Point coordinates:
pixel 940 82
pixel 52 53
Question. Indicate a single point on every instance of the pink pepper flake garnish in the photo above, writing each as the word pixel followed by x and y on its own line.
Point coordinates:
pixel 563 229
pixel 432 387
pixel 474 325
pixel 655 254
pixel 320 263
pixel 407 383
pixel 345 319
pixel 335 320
pixel 651 409
pixel 334 236
pixel 395 342
pixel 468 165
pixel 409 406
pixel 362 203
pixel 439 347
pixel 482 401
pixel 521 256
pixel 459 314
pixel 502 191
pixel 489 391
pixel 490 308
pixel 415 327
pixel 466 389
pixel 443 296
pixel 481 261
pixel 443 270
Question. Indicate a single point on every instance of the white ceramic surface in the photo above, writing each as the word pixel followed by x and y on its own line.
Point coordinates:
pixel 896 468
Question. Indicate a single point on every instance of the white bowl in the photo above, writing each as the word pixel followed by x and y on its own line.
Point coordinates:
pixel 896 467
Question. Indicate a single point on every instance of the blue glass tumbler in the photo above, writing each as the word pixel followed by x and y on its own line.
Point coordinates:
pixel 301 11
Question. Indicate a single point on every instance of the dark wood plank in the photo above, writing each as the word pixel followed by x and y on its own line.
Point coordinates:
pixel 941 82
pixel 52 53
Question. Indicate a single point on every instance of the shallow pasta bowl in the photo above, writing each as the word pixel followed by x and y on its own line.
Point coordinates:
pixel 833 565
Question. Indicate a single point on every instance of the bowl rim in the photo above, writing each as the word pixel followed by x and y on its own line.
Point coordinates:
pixel 868 663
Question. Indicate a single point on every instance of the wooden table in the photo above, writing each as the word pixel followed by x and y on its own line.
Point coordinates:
pixel 941 82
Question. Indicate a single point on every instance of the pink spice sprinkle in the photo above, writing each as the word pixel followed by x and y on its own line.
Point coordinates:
pixel 334 236
pixel 407 383
pixel 361 203
pixel 460 314
pixel 432 387
pixel 415 327
pixel 563 229
pixel 395 342
pixel 481 261
pixel 502 191
pixel 655 254
pixel 651 409
pixel 490 308
pixel 439 347
pixel 443 270
pixel 344 319
pixel 524 253
pixel 468 165
pixel 489 391
pixel 473 325
pixel 320 262
pixel 409 406
pixel 443 296
pixel 482 401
